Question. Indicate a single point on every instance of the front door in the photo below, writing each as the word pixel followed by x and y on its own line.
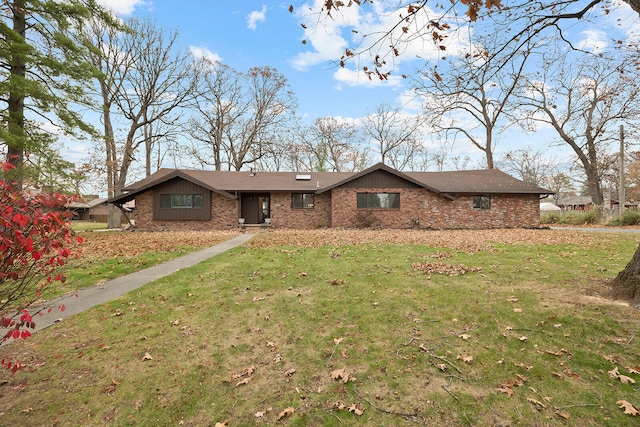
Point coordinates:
pixel 255 207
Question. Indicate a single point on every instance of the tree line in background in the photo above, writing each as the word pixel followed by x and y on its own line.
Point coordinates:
pixel 68 66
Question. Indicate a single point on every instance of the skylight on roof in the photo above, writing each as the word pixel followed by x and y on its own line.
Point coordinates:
pixel 303 177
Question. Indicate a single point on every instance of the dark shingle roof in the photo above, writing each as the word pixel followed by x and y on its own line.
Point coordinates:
pixel 449 183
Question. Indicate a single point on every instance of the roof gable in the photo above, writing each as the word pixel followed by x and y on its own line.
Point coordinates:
pixel 160 177
pixel 381 167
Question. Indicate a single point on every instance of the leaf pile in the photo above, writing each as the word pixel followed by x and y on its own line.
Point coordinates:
pixel 104 245
pixel 442 268
pixel 469 241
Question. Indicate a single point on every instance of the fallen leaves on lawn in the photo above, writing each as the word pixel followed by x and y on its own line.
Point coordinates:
pixel 628 408
pixel 623 378
pixel 505 390
pixel 539 405
pixel 286 412
pixel 109 245
pixel 354 408
pixel 261 414
pixel 442 268
pixel 247 376
pixel 513 382
pixel 341 375
pixel 469 241
pixel 465 358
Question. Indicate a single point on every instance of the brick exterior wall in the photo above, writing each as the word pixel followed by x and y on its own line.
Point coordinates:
pixel 284 216
pixel 421 208
pixel 224 215
pixel 338 208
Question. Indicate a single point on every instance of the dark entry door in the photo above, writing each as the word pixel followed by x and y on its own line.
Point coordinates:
pixel 255 207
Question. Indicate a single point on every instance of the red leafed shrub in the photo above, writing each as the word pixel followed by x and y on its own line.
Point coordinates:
pixel 35 241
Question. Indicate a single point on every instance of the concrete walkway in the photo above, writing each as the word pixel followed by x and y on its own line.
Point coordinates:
pixel 95 295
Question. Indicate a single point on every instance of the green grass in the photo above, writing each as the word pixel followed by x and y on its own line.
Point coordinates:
pixel 88 225
pixel 401 335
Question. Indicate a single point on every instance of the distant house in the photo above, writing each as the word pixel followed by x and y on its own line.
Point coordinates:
pixel 376 197
pixel 575 203
pixel 95 210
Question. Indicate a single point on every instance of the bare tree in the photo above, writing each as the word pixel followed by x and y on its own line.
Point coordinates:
pixel 470 96
pixel 333 145
pixel 529 165
pixel 428 22
pixel 240 114
pixel 584 102
pixel 144 80
pixel 396 135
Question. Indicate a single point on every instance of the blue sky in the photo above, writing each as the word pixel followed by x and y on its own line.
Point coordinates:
pixel 244 34
pixel 247 33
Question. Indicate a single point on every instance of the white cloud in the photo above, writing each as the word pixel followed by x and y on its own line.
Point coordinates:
pixel 360 29
pixel 351 77
pixel 203 52
pixel 594 41
pixel 256 16
pixel 123 7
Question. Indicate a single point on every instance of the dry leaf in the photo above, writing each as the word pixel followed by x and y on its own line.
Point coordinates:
pixel 225 423
pixel 512 299
pixel 354 408
pixel 340 374
pixel 464 336
pixel 505 390
pixel 288 411
pixel 244 381
pixel 623 378
pixel 147 356
pixel 632 370
pixel 518 310
pixel 442 366
pixel 337 341
pixel 539 405
pixel 261 414
pixel 626 380
pixel 290 372
pixel 465 358
pixel 628 407
pixel 246 373
pixel 523 338
pixel 563 415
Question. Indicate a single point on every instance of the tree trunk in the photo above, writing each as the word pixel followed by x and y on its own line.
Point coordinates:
pixel 627 284
pixel 17 74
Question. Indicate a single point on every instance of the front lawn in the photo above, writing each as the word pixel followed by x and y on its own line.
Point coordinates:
pixel 387 328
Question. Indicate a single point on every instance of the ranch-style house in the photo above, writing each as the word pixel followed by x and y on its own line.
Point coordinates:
pixel 379 196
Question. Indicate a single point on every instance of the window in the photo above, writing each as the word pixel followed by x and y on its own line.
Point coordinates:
pixel 302 201
pixel 181 201
pixel 482 202
pixel 378 200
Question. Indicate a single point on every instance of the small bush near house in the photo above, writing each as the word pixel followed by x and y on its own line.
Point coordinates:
pixel 551 218
pixel 572 218
pixel 629 218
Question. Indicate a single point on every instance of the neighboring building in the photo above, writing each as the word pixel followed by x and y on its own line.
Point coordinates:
pixel 376 197
pixel 575 203
pixel 96 210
